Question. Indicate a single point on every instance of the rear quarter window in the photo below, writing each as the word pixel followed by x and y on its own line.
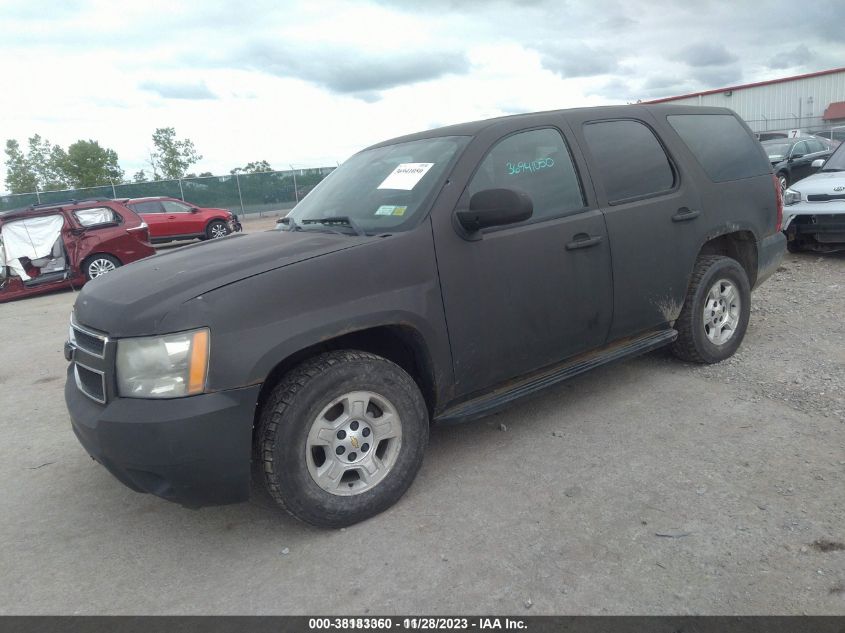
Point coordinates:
pixel 721 145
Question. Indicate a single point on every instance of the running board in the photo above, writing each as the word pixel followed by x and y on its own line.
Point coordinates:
pixel 499 398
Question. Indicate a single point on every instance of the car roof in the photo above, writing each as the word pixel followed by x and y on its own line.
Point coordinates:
pixel 53 207
pixel 529 119
pixel 150 199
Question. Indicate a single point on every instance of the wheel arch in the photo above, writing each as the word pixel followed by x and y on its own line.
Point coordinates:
pixel 738 244
pixel 402 344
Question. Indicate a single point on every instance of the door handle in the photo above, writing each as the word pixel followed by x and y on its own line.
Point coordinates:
pixel 582 240
pixel 171 217
pixel 685 214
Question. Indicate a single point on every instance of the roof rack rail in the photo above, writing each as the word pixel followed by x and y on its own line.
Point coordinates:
pixel 69 201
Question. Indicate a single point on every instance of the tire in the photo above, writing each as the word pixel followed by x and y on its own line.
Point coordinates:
pixel 697 341
pixel 301 407
pixel 100 264
pixel 216 229
pixel 783 179
pixel 794 246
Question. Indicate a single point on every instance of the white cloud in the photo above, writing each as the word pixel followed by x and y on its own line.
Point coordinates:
pixel 311 82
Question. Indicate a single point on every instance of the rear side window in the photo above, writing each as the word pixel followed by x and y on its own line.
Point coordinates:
pixel 538 163
pixel 96 216
pixel 721 145
pixel 631 162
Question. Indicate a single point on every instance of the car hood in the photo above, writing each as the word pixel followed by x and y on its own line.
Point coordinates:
pixel 133 300
pixel 821 182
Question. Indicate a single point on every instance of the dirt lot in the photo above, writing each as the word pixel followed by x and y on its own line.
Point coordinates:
pixel 646 487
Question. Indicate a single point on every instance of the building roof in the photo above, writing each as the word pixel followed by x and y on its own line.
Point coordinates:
pixel 754 85
pixel 835 110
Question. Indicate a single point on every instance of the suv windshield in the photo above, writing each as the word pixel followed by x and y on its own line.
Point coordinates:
pixel 377 190
pixel 837 160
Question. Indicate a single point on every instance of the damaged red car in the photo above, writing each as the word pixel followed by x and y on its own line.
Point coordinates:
pixel 62 245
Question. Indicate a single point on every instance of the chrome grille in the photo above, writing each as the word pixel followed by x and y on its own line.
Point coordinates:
pixel 89 341
pixel 90 382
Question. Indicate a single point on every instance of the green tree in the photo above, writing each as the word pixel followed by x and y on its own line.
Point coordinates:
pixel 255 167
pixel 20 177
pixel 140 176
pixel 89 165
pixel 40 168
pixel 47 161
pixel 172 157
pixel 205 174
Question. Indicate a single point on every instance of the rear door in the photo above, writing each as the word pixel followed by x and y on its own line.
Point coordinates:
pixel 652 211
pixel 152 213
pixel 525 295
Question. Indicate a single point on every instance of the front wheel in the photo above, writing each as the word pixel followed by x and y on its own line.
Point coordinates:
pixel 341 438
pixel 216 229
pixel 784 182
pixel 100 264
pixel 715 315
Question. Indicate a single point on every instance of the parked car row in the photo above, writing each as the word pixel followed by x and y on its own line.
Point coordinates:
pixel 65 244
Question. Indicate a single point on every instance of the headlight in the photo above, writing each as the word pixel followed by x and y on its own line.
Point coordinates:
pixel 168 366
pixel 790 196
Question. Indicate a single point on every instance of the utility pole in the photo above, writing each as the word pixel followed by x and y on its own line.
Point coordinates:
pixel 295 192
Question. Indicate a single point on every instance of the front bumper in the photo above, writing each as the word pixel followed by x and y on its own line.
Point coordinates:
pixel 824 229
pixel 194 451
pixel 770 252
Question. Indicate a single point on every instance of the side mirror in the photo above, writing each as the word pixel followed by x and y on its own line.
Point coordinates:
pixel 819 162
pixel 194 209
pixel 495 207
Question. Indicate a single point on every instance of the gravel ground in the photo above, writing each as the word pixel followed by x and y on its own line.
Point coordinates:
pixel 646 487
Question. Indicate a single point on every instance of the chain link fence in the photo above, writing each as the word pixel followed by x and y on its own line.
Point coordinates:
pixel 241 193
pixel 806 125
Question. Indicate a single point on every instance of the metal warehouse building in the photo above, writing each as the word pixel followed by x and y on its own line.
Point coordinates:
pixel 810 103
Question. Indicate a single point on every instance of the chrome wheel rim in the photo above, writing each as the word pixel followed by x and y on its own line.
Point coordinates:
pixel 218 230
pixel 721 312
pixel 100 267
pixel 782 180
pixel 353 443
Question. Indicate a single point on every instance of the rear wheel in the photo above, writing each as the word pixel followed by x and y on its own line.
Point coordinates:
pixel 100 264
pixel 341 438
pixel 715 315
pixel 216 229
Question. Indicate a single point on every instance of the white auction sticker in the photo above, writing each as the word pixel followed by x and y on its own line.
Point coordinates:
pixel 406 176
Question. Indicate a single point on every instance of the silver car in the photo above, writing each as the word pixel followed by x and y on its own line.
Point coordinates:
pixel 814 208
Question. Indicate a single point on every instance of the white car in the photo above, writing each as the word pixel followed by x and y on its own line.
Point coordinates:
pixel 814 208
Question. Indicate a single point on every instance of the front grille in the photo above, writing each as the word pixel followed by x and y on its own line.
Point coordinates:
pixel 90 382
pixel 824 197
pixel 89 341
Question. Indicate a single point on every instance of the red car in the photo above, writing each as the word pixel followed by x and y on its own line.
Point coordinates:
pixel 170 219
pixel 62 245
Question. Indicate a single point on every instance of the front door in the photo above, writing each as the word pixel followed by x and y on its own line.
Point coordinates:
pixel 527 295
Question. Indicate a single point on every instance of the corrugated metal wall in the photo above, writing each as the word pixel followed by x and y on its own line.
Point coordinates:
pixel 790 104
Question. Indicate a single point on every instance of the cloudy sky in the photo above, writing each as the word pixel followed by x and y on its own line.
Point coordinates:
pixel 309 83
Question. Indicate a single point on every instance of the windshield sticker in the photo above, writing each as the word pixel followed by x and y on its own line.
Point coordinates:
pixel 406 176
pixel 387 209
pixel 532 167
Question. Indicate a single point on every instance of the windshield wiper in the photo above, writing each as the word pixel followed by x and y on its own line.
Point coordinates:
pixel 337 219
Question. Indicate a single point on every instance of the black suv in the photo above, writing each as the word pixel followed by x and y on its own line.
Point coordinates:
pixel 432 278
